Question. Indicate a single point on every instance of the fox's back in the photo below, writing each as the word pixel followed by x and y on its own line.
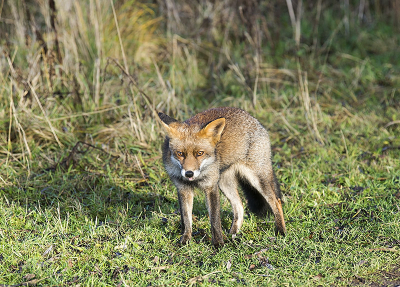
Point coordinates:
pixel 243 138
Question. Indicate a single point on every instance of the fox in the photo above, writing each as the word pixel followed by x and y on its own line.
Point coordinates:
pixel 223 149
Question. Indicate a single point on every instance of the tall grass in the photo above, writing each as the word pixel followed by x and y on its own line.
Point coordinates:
pixel 98 70
pixel 60 59
pixel 59 81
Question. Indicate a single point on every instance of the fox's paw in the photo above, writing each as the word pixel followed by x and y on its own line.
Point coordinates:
pixel 218 241
pixel 280 227
pixel 281 230
pixel 218 244
pixel 234 231
pixel 185 238
pixel 234 236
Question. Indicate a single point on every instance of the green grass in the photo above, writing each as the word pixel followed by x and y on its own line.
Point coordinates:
pixel 85 200
pixel 76 227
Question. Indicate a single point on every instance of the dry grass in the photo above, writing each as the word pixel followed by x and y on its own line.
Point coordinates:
pixel 77 64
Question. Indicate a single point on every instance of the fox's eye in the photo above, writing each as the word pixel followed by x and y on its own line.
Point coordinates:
pixel 179 153
pixel 200 153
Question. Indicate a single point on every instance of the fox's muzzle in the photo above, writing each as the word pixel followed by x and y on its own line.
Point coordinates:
pixel 189 174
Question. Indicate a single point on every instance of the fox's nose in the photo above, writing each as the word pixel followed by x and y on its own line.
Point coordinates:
pixel 189 173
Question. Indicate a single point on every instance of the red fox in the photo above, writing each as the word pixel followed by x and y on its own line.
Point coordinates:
pixel 221 148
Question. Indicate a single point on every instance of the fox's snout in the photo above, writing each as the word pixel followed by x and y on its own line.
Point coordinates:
pixel 191 169
pixel 190 174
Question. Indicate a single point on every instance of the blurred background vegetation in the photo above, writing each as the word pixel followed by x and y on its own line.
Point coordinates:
pixel 97 71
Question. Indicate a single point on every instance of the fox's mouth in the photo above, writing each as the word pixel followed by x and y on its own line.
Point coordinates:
pixel 190 175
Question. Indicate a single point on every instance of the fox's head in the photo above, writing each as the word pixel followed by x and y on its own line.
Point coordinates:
pixel 192 148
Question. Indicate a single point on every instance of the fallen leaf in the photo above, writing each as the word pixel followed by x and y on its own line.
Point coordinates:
pixel 228 265
pixel 32 282
pixel 319 276
pixel 52 259
pixel 29 276
pixel 362 262
pixel 260 252
pixel 96 267
pixel 266 264
pixel 160 268
pixel 194 280
pixel 29 283
pixel 48 250
pixel 384 249
pixel 200 278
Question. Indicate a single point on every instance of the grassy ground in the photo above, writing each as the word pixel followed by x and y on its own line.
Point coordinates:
pixel 84 198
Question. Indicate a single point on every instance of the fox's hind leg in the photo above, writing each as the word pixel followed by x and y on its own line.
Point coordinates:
pixel 271 192
pixel 228 185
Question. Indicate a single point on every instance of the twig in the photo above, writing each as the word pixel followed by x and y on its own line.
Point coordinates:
pixel 194 280
pixel 392 123
pixel 140 168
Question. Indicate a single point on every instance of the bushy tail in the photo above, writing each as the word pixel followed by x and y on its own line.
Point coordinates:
pixel 255 201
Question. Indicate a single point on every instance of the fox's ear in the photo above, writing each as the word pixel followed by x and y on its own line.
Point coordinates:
pixel 166 119
pixel 166 122
pixel 213 130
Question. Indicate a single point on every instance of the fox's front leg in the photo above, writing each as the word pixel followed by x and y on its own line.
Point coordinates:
pixel 214 211
pixel 185 196
pixel 228 185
